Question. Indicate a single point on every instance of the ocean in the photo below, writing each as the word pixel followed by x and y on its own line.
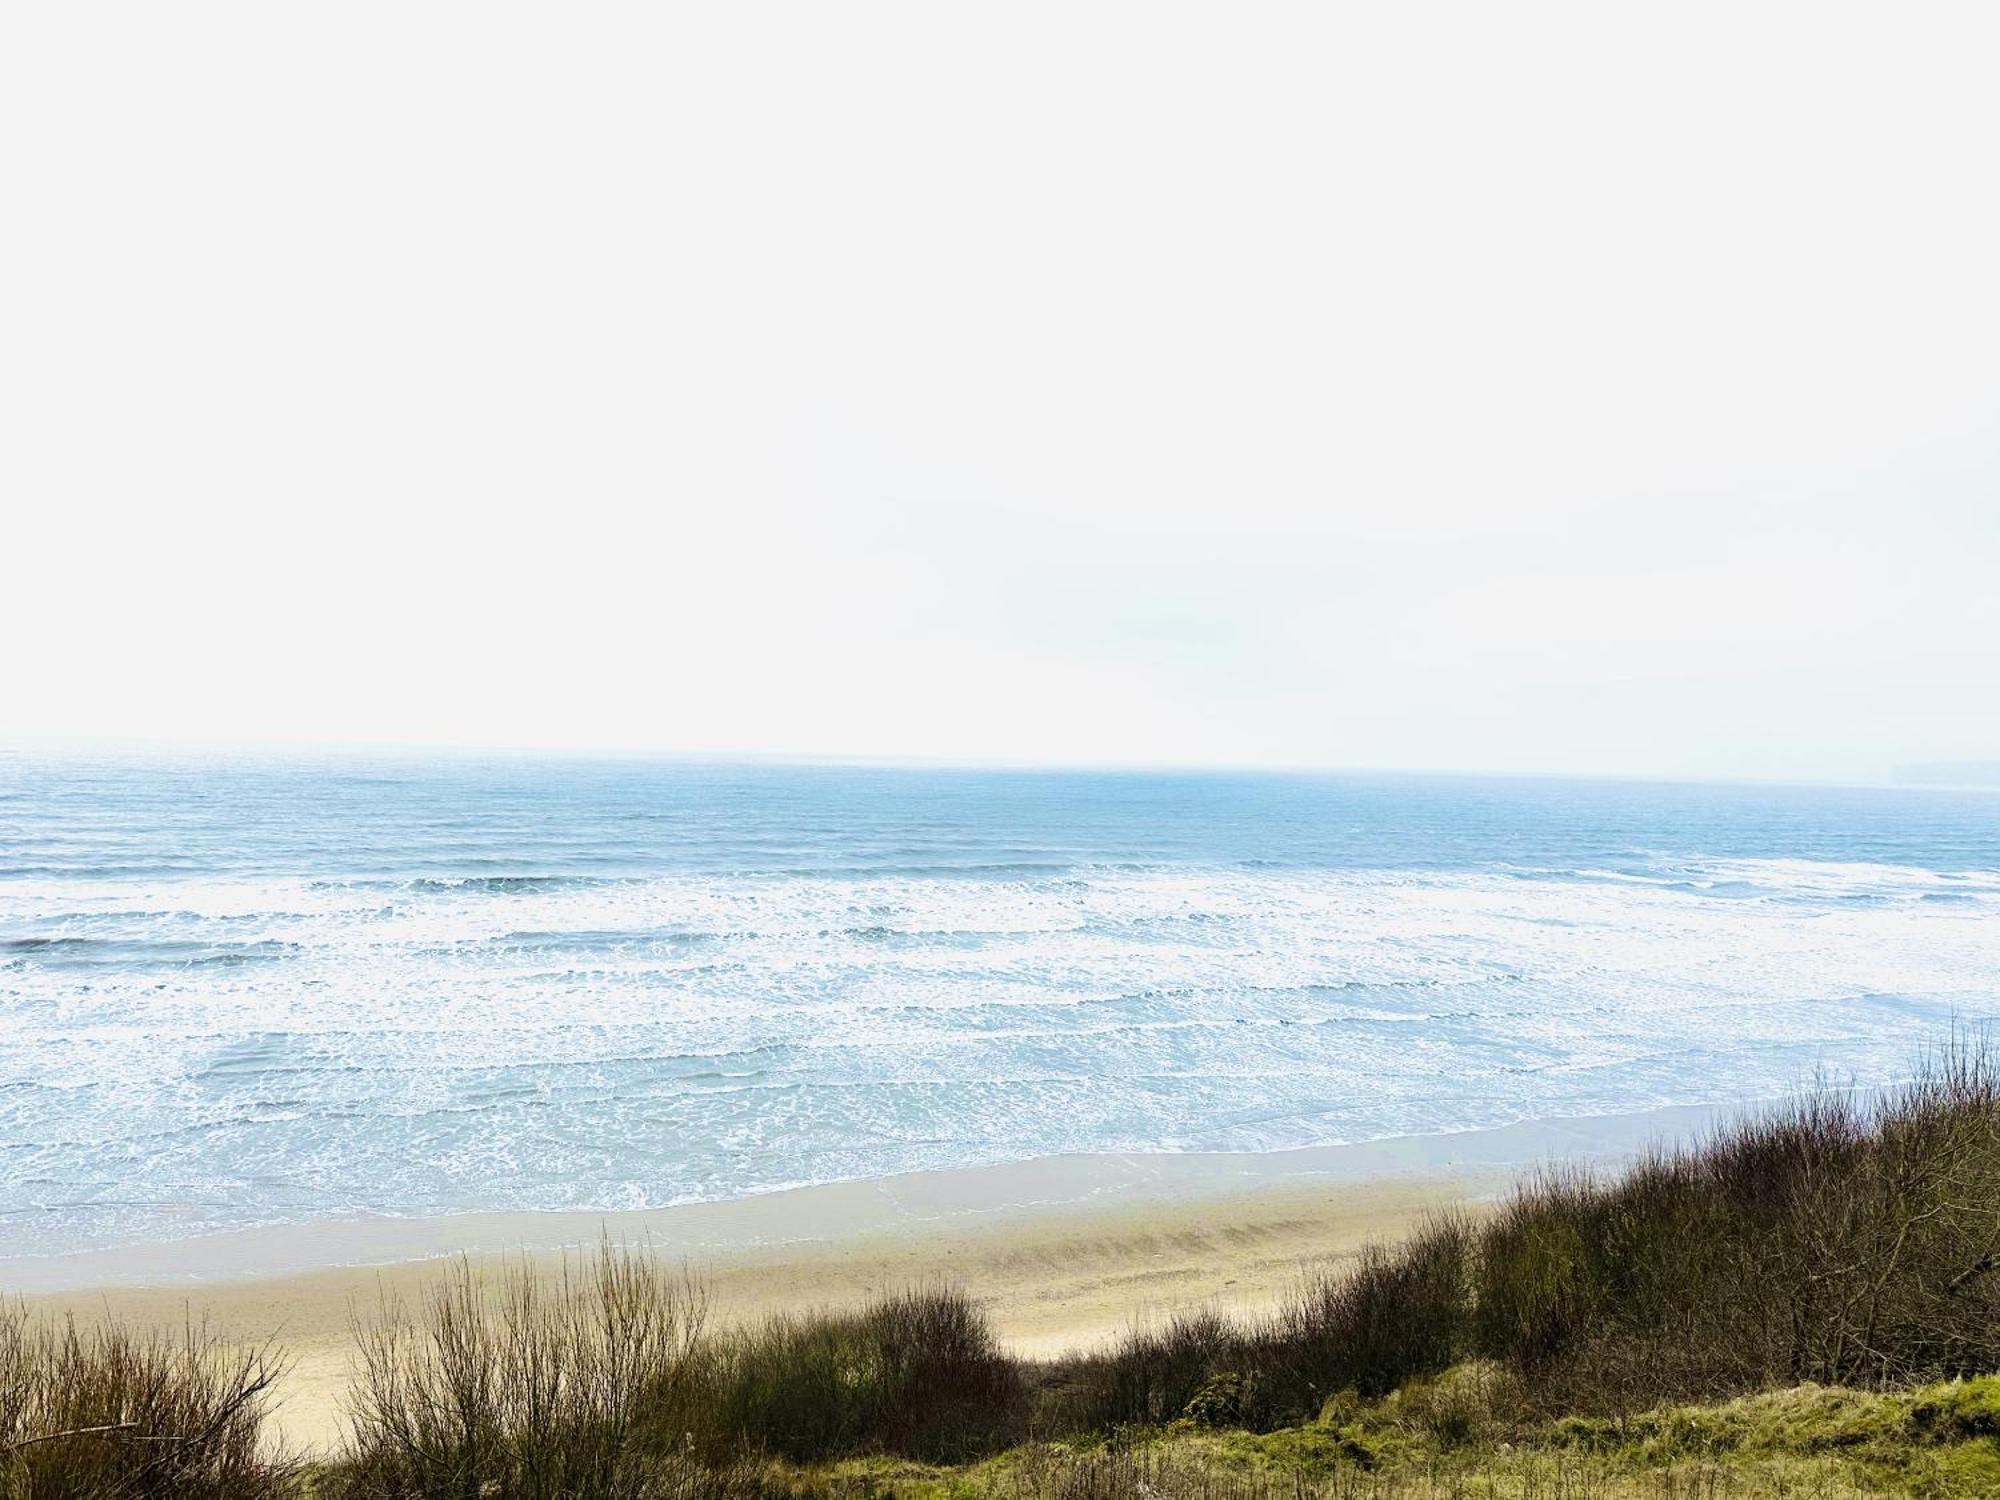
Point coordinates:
pixel 237 992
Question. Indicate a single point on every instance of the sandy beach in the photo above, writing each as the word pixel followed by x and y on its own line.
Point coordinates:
pixel 1063 1252
pixel 1050 1281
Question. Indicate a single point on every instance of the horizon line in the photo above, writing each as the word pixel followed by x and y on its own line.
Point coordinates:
pixel 1894 778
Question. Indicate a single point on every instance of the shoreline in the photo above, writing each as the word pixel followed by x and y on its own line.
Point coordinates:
pixel 1051 1280
pixel 953 1197
pixel 1063 1253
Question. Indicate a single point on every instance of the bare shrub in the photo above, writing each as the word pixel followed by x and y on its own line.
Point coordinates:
pixel 1828 1240
pixel 533 1387
pixel 106 1414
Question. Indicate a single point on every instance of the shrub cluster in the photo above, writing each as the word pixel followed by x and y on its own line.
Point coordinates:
pixel 1830 1240
pixel 527 1387
pixel 602 1384
pixel 104 1414
pixel 919 1374
pixel 1395 1314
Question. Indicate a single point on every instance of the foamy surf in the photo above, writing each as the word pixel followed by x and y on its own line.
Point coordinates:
pixel 430 992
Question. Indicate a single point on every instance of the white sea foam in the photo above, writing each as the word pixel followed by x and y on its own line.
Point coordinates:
pixel 236 1049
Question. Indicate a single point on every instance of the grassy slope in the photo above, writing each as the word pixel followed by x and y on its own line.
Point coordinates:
pixel 1452 1437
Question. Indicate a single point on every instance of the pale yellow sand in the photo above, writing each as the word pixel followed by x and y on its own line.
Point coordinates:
pixel 1060 1260
pixel 1064 1251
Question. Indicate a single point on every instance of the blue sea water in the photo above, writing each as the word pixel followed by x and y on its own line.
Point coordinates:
pixel 237 992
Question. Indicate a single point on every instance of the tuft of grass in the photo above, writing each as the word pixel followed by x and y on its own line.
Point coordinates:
pixel 1148 1378
pixel 533 1388
pixel 917 1374
pixel 1400 1313
pixel 101 1414
pixel 1397 1314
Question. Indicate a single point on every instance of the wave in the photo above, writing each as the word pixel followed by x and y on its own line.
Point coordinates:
pixel 82 952
pixel 533 1039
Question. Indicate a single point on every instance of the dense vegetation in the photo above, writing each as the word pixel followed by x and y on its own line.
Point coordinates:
pixel 101 1412
pixel 1845 1254
pixel 1829 1241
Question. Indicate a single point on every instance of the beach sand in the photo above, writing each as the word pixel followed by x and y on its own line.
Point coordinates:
pixel 1063 1253
pixel 1050 1282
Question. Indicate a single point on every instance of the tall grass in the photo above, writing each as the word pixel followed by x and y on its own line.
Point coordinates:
pixel 599 1383
pixel 1396 1314
pixel 1831 1240
pixel 918 1374
pixel 530 1387
pixel 1150 1377
pixel 102 1414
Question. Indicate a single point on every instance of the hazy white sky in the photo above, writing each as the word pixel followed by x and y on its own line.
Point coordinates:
pixel 1489 387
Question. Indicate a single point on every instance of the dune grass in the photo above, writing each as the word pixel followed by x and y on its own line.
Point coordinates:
pixel 106 1414
pixel 918 1374
pixel 532 1386
pixel 1831 1240
pixel 1474 1432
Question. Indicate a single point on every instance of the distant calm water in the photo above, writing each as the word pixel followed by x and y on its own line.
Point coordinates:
pixel 235 993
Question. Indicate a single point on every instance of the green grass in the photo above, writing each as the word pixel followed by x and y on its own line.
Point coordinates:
pixel 918 1374
pixel 1470 1433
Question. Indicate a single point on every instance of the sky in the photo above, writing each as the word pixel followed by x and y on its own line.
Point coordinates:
pixel 1604 389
